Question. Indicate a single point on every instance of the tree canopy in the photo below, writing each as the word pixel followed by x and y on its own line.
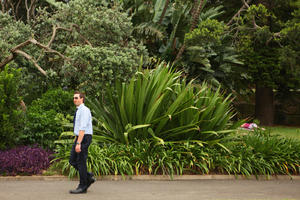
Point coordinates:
pixel 242 45
pixel 80 45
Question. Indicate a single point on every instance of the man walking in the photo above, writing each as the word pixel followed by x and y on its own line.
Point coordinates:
pixel 83 131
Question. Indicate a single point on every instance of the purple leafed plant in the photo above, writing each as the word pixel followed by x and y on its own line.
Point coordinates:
pixel 24 160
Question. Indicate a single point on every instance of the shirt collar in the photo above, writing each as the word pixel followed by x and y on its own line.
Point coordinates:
pixel 81 105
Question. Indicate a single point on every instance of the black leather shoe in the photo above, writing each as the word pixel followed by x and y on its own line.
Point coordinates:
pixel 91 180
pixel 78 191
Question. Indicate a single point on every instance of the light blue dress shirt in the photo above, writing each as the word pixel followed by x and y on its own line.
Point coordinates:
pixel 83 121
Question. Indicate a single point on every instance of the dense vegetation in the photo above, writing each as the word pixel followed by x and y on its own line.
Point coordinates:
pixel 24 161
pixel 158 104
pixel 257 153
pixel 160 76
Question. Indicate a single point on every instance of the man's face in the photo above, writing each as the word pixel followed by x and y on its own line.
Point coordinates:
pixel 77 100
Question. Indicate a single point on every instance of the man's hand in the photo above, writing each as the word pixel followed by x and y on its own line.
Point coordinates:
pixel 79 140
pixel 78 148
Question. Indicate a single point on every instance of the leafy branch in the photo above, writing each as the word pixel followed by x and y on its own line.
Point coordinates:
pixel 243 8
pixel 17 49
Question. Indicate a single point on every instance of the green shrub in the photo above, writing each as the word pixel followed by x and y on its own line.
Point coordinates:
pixel 282 155
pixel 157 104
pixel 94 68
pixel 253 154
pixel 258 153
pixel 45 117
pixel 142 157
pixel 11 116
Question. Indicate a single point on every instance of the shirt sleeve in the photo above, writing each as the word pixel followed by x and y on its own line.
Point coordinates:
pixel 83 120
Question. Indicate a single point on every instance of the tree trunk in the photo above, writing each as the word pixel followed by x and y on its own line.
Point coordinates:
pixel 196 14
pixel 164 11
pixel 264 105
pixel 195 18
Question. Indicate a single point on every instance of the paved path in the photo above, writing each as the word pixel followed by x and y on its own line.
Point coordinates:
pixel 153 190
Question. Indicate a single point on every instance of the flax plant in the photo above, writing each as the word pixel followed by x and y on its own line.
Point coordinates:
pixel 159 104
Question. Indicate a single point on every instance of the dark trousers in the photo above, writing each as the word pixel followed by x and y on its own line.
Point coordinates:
pixel 78 160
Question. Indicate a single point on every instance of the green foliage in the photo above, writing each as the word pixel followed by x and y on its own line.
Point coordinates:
pixel 105 31
pixel 157 104
pixel 45 116
pixel 208 31
pixel 150 20
pixel 260 13
pixel 57 99
pixel 257 153
pixel 162 24
pixel 11 116
pixel 99 45
pixel 11 33
pixel 142 157
pixel 210 55
pixel 98 24
pixel 257 47
pixel 268 45
pixel 93 69
pixel 290 53
pixel 260 153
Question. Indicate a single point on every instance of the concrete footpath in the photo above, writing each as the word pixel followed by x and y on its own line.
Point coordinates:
pixel 208 189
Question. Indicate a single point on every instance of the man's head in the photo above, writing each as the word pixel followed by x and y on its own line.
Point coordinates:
pixel 78 98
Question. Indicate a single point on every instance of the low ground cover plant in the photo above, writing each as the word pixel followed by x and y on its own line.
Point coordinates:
pixel 24 160
pixel 257 153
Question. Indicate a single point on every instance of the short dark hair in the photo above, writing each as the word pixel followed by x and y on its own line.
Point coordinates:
pixel 81 95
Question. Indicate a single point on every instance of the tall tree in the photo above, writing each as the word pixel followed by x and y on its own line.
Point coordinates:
pixel 259 39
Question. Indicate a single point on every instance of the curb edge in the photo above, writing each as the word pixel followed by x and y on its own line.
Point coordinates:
pixel 153 178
